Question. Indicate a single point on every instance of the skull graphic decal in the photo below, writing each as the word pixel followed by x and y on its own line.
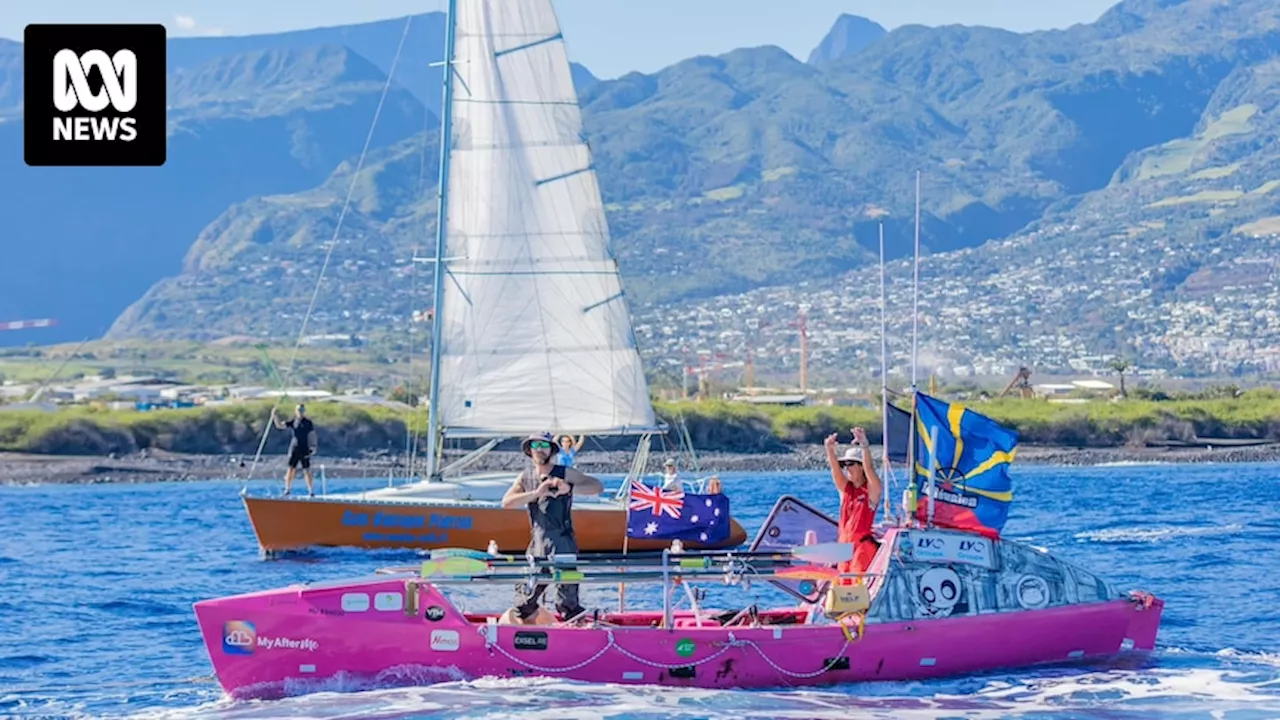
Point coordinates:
pixel 939 592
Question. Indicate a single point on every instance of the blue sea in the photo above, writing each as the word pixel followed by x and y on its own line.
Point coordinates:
pixel 97 583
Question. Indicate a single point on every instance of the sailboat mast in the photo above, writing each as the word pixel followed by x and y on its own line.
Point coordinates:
pixel 442 225
pixel 915 293
pixel 884 386
pixel 910 499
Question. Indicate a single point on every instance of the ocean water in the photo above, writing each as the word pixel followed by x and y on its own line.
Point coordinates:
pixel 97 582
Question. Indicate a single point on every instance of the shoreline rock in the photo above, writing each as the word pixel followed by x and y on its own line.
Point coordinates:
pixel 28 469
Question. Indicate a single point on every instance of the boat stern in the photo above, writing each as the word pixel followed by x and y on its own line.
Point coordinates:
pixel 1144 622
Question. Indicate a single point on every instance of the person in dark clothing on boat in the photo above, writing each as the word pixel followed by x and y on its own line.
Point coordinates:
pixel 301 446
pixel 547 489
pixel 856 480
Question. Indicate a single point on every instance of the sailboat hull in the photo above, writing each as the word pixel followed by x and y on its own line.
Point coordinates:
pixel 287 523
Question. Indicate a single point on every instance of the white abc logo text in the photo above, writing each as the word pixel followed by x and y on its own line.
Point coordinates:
pixel 71 90
pixel 119 81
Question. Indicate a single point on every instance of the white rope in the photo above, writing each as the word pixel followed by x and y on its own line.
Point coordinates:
pixel 732 643
pixel 333 242
pixel 825 668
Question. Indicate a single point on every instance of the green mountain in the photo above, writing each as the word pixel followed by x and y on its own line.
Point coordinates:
pixel 249 116
pixel 754 169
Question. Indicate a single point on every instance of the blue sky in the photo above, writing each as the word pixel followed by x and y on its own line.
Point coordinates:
pixel 611 37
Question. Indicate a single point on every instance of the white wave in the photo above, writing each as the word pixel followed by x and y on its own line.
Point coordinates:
pixel 1154 534
pixel 1133 463
pixel 1068 692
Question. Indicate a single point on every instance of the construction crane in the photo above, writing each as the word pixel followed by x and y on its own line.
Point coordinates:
pixel 751 340
pixel 803 324
pixel 703 372
pixel 1022 381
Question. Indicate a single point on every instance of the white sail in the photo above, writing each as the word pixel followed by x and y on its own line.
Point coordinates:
pixel 535 331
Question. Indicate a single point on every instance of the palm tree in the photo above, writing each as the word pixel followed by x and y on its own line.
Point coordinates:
pixel 1121 366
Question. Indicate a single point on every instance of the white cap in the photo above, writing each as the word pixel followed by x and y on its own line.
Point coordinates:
pixel 853 454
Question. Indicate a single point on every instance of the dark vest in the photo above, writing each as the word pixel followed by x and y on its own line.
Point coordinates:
pixel 551 522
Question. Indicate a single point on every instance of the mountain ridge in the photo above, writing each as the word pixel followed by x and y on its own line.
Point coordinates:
pixel 753 170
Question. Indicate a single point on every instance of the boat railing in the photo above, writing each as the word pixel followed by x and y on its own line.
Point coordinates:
pixel 671 569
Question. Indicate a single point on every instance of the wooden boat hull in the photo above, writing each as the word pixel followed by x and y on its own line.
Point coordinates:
pixel 288 523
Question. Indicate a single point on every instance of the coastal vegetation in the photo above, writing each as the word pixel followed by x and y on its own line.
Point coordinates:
pixel 1146 418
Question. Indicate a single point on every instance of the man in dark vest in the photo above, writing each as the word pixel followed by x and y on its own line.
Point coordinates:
pixel 547 490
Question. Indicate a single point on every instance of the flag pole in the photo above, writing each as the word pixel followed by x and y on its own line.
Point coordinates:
pixel 933 471
pixel 626 536
pixel 909 494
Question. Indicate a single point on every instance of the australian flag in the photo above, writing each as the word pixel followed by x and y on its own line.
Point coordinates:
pixel 657 514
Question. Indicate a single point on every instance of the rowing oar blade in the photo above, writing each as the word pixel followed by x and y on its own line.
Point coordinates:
pixel 454 567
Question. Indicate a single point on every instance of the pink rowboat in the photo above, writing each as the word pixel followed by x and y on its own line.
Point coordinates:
pixel 934 603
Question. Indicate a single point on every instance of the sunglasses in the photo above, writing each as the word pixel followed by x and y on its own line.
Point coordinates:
pixel 539 445
pixel 847 463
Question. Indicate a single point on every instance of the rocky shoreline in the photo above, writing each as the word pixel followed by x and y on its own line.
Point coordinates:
pixel 28 469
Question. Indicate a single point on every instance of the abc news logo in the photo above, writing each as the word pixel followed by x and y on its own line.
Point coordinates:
pixel 94 95
pixel 71 91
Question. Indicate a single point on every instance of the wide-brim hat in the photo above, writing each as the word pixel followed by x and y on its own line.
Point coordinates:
pixel 545 437
pixel 852 455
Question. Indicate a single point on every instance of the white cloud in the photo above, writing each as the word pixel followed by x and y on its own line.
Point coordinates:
pixel 184 22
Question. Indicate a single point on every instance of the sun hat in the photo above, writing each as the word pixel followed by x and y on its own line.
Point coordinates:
pixel 544 437
pixel 852 455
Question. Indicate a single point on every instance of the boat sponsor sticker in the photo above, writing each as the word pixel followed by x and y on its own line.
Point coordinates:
pixel 355 602
pixel 944 547
pixel 685 647
pixel 530 640
pixel 445 640
pixel 435 613
pixel 388 601
pixel 240 637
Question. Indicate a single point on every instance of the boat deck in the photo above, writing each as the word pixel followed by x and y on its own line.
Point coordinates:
pixel 487 488
pixel 747 617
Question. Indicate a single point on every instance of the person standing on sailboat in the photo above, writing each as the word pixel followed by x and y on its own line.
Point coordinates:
pixel 301 446
pixel 855 478
pixel 569 449
pixel 547 489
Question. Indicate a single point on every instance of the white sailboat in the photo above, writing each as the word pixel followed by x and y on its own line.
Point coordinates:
pixel 531 331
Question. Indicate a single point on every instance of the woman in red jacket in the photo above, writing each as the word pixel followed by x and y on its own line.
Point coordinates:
pixel 855 478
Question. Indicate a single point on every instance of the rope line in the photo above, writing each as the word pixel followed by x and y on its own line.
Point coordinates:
pixel 732 643
pixel 333 243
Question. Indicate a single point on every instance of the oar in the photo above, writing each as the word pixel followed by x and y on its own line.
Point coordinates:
pixel 454 567
pixel 468 568
pixel 458 566
pixel 585 578
pixel 823 553
pixel 807 572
